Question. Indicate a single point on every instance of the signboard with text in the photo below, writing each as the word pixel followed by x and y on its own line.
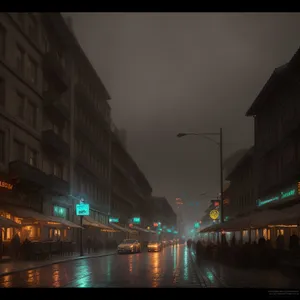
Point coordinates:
pixel 286 194
pixel 136 220
pixel 113 220
pixel 82 209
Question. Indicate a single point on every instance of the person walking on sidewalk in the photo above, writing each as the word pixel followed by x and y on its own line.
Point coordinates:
pixel 15 246
pixel 89 244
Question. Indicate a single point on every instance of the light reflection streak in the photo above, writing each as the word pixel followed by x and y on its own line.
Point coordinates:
pixel 185 264
pixel 154 263
pixel 108 273
pixel 55 275
pixel 33 277
pixel 130 259
pixel 210 276
pixel 175 258
pixel 84 273
pixel 7 281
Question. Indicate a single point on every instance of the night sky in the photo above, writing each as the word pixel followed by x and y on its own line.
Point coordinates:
pixel 168 73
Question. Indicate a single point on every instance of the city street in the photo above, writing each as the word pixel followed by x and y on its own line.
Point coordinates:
pixel 170 268
pixel 173 267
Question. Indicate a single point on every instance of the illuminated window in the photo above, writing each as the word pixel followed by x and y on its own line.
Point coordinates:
pixel 54 233
pixel 31 232
pixel 280 232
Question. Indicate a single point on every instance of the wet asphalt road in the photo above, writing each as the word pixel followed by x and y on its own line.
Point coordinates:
pixel 172 267
pixel 175 266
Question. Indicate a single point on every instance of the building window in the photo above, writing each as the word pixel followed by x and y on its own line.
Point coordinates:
pixel 20 60
pixel 19 151
pixel 32 157
pixel 31 114
pixel 20 105
pixel 2 92
pixel 2 41
pixel 32 71
pixel 58 170
pixel 33 28
pixel 2 146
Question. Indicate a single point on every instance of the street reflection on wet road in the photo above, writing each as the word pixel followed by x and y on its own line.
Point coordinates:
pixel 168 268
pixel 172 267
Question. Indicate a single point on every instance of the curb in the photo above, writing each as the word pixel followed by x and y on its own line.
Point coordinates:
pixel 198 273
pixel 54 262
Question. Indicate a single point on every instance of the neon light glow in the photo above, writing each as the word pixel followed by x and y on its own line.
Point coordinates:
pixel 282 195
pixel 113 220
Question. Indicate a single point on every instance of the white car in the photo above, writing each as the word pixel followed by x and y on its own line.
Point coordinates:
pixel 129 246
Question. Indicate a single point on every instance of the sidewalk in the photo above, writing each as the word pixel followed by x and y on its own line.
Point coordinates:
pixel 7 268
pixel 216 275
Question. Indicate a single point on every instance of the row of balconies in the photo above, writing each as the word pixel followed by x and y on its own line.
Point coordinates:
pixel 85 101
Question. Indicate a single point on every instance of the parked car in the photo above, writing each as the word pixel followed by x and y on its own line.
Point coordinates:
pixel 154 246
pixel 129 246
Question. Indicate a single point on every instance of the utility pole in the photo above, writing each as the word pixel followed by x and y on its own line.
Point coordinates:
pixel 221 178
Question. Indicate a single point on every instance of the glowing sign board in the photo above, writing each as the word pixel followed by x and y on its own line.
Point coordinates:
pixel 6 185
pixel 113 220
pixel 82 209
pixel 286 194
pixel 136 220
pixel 214 214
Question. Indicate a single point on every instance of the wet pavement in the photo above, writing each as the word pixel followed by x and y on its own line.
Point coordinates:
pixel 214 274
pixel 172 267
pixel 175 266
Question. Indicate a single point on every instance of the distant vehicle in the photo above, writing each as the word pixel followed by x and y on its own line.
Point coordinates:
pixel 129 246
pixel 154 246
pixel 164 243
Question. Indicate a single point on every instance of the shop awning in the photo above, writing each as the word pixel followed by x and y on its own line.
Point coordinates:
pixel 7 223
pixel 89 221
pixel 121 228
pixel 143 229
pixel 64 222
pixel 25 213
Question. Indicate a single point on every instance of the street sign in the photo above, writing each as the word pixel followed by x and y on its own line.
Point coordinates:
pixel 82 209
pixel 113 220
pixel 214 214
pixel 136 220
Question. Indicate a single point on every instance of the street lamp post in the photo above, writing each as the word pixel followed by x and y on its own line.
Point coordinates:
pixel 220 144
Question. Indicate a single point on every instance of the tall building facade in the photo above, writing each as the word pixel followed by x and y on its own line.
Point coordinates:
pixel 35 100
pixel 241 193
pixel 57 146
pixel 276 113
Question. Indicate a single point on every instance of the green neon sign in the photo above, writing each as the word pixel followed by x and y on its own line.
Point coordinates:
pixel 136 220
pixel 82 209
pixel 282 195
pixel 113 220
pixel 196 225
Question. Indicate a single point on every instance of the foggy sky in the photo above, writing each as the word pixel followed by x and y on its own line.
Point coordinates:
pixel 175 72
